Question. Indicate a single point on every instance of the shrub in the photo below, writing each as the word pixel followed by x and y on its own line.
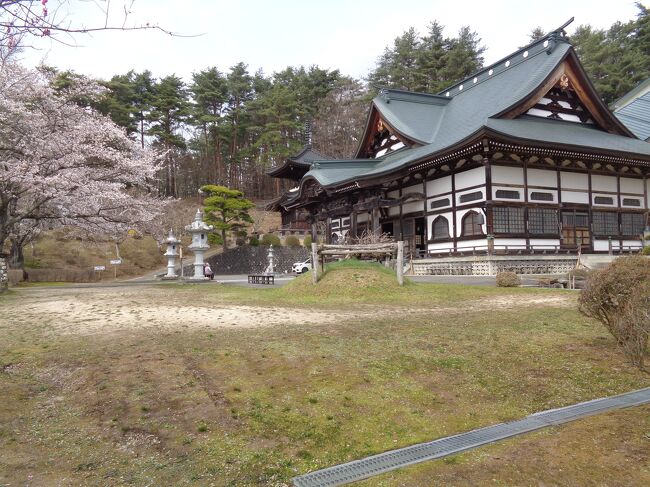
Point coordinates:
pixel 579 274
pixel 646 250
pixel 254 242
pixel 619 297
pixel 292 241
pixel 307 241
pixel 270 239
pixel 508 279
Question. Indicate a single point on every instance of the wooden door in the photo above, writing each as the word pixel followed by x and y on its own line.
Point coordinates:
pixel 575 229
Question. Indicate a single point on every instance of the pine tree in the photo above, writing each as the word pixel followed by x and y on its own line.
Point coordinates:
pixel 210 93
pixel 169 110
pixel 226 209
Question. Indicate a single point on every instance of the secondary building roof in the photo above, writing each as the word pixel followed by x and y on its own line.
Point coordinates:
pixel 633 109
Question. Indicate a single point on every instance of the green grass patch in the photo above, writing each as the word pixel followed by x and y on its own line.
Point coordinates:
pixel 258 406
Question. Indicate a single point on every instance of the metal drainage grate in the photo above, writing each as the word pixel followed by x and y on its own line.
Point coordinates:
pixel 385 462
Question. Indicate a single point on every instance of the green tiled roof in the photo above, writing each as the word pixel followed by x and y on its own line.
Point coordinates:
pixel 453 116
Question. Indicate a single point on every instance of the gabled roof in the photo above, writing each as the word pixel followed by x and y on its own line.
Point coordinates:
pixel 493 100
pixel 296 166
pixel 633 109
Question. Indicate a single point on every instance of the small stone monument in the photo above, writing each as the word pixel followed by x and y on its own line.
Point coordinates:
pixel 171 254
pixel 199 231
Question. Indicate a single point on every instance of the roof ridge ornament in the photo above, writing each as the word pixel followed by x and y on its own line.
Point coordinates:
pixel 557 35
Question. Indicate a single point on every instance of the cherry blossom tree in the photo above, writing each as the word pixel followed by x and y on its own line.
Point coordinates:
pixel 63 163
pixel 20 19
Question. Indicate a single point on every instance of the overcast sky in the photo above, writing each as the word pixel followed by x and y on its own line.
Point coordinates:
pixel 337 34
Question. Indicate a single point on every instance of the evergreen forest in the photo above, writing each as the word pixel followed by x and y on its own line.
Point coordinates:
pixel 229 128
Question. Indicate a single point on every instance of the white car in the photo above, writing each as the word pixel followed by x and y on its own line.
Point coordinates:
pixel 301 267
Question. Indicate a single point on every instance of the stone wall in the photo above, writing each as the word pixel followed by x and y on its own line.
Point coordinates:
pixel 490 265
pixel 4 273
pixel 253 260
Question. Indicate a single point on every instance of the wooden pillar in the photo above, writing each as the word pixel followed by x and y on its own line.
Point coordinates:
pixel 328 230
pixel 314 233
pixel 353 224
pixel 376 227
pixel 528 247
pixel 453 210
pixel 399 265
pixel 314 263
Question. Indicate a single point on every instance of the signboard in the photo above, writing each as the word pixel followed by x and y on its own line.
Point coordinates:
pixel 100 267
pixel 116 261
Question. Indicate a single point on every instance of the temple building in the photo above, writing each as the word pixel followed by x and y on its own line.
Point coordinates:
pixel 521 157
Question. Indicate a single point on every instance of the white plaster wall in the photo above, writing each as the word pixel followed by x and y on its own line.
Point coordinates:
pixel 412 189
pixel 545 243
pixel 639 199
pixel 632 243
pixel 630 185
pixel 473 177
pixel 459 194
pixel 412 206
pixel 443 247
pixel 393 194
pixel 603 183
pixel 459 220
pixel 552 191
pixel 512 243
pixel 439 186
pixel 335 223
pixel 466 245
pixel 572 180
pixel 519 190
pixel 507 175
pixel 393 211
pixel 575 197
pixel 448 197
pixel 603 245
pixel 541 177
pixel 362 217
pixel 612 196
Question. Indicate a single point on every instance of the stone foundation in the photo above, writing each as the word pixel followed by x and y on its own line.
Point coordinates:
pixel 485 265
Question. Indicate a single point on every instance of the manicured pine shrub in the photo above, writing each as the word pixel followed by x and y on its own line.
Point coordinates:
pixel 307 241
pixel 270 239
pixel 508 279
pixel 292 241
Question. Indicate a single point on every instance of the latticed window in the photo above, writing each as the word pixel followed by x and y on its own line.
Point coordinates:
pixel 542 221
pixel 440 228
pixel 472 224
pixel 632 223
pixel 605 223
pixel 541 196
pixel 508 219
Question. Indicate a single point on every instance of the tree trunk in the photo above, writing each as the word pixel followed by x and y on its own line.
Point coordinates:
pixel 16 256
pixel 223 237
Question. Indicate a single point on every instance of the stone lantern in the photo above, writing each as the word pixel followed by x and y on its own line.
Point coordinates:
pixel 199 231
pixel 171 254
pixel 271 258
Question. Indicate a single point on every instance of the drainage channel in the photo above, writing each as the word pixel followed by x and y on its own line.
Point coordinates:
pixel 392 460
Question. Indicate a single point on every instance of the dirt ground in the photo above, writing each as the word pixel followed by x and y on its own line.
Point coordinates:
pixel 92 310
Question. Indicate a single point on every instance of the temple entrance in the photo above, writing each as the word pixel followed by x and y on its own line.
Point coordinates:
pixel 413 234
pixel 387 228
pixel 575 229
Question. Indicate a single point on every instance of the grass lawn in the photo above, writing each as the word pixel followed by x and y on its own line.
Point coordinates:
pixel 229 405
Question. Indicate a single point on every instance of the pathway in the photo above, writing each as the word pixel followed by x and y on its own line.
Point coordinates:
pixel 392 460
